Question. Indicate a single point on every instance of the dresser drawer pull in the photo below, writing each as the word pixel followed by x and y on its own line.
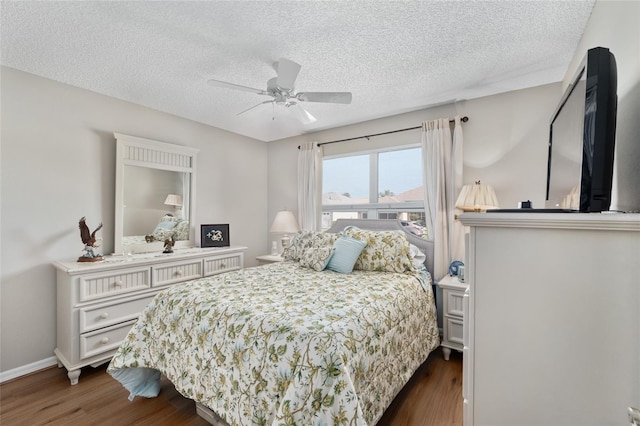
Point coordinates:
pixel 104 340
pixel 105 315
pixel 118 283
pixel 223 265
pixel 178 273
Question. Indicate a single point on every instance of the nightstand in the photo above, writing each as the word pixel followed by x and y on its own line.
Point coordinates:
pixel 453 314
pixel 269 258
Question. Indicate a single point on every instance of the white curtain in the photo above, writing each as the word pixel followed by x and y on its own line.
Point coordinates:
pixel 457 239
pixel 442 180
pixel 309 186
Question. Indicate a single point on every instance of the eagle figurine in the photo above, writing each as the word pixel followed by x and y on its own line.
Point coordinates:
pixel 168 245
pixel 89 240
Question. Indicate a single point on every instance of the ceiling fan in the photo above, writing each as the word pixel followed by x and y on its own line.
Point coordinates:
pixel 281 89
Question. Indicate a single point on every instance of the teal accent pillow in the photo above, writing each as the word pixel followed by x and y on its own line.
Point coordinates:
pixel 345 253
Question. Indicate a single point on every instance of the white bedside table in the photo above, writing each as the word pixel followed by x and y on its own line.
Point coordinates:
pixel 453 314
pixel 269 258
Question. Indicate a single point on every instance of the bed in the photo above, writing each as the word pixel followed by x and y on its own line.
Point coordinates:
pixel 292 342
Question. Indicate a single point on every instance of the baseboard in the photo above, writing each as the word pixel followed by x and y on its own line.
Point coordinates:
pixel 28 369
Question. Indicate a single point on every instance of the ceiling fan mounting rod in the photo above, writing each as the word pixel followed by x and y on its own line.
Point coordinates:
pixel 281 94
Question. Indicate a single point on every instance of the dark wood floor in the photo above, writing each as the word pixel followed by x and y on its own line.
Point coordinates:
pixel 432 397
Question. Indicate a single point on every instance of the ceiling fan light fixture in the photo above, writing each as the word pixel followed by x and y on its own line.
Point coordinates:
pixel 305 116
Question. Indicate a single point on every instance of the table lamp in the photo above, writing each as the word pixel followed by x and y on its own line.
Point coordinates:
pixel 477 198
pixel 285 223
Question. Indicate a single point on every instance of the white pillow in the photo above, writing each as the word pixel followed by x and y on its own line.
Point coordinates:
pixel 316 258
pixel 417 256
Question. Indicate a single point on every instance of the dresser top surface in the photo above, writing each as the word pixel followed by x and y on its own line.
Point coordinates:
pixel 588 221
pixel 142 259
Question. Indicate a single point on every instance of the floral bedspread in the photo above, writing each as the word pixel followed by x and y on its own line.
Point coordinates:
pixel 282 344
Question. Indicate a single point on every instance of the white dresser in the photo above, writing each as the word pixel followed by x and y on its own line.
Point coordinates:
pixel 99 302
pixel 552 324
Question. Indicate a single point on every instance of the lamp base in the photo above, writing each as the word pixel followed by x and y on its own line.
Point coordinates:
pixel 285 241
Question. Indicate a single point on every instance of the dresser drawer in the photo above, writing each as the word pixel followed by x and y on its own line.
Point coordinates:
pixel 217 265
pixel 454 303
pixel 96 286
pixel 104 340
pixel 176 272
pixel 96 317
pixel 454 331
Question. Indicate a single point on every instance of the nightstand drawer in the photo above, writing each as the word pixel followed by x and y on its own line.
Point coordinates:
pixel 176 272
pixel 453 329
pixel 454 303
pixel 96 317
pixel 95 343
pixel 217 265
pixel 100 285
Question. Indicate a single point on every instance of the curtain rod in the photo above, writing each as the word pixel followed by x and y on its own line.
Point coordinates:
pixel 463 119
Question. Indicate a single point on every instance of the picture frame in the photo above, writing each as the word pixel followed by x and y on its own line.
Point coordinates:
pixel 214 235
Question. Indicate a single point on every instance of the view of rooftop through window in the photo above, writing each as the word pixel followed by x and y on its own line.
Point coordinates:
pixel 399 176
pixel 382 185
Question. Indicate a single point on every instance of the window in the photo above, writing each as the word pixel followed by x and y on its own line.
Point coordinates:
pixel 375 185
pixel 346 180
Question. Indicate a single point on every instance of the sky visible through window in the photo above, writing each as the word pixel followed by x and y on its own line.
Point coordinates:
pixel 398 171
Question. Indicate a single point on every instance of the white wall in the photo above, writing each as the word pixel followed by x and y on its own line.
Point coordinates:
pixel 58 164
pixel 616 26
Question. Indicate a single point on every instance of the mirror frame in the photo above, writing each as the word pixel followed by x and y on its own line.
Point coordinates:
pixel 140 152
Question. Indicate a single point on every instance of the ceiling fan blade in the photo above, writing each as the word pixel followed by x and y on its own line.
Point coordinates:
pixel 304 115
pixel 261 103
pixel 328 97
pixel 287 73
pixel 235 86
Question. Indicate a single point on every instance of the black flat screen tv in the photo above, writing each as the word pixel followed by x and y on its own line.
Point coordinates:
pixel 582 138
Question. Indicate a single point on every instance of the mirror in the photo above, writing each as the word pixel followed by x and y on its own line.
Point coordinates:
pixel 155 183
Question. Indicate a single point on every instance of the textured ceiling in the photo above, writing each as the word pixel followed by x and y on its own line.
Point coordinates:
pixel 393 56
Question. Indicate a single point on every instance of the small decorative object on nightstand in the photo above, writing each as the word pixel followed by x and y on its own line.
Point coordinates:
pixel 269 258
pixel 453 316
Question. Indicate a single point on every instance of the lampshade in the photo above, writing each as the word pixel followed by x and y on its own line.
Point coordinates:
pixel 173 200
pixel 285 222
pixel 477 198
